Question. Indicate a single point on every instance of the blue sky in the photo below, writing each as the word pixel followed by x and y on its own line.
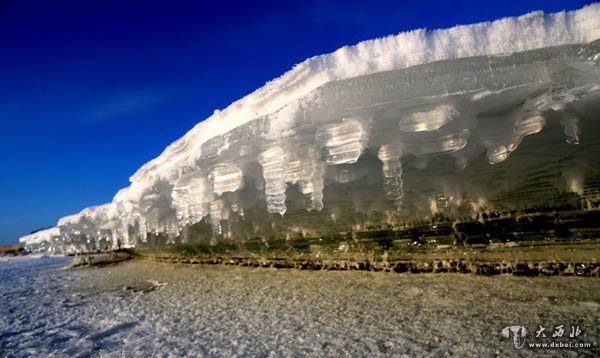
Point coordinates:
pixel 90 90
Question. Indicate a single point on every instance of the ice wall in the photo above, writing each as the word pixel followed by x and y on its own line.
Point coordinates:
pixel 402 126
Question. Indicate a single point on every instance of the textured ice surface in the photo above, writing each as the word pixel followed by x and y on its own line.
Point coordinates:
pixel 501 115
pixel 154 309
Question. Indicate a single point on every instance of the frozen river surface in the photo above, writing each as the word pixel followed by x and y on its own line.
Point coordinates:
pixel 142 308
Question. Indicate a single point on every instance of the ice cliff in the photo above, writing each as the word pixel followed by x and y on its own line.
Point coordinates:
pixel 498 115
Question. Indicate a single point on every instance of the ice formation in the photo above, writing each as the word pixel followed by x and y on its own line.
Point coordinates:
pixel 487 113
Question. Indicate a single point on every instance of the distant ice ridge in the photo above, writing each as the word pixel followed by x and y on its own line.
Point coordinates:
pixel 389 106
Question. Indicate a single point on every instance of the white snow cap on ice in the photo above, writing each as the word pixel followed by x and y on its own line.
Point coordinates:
pixel 40 236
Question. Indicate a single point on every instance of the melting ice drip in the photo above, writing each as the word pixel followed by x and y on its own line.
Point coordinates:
pixel 429 120
pixel 391 156
pixel 418 112
pixel 273 164
pixel 305 169
pixel 187 188
pixel 341 142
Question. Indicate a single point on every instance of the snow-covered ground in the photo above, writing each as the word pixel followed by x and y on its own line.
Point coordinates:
pixel 143 308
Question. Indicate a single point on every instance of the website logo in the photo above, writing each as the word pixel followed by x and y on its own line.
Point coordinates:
pixel 516 334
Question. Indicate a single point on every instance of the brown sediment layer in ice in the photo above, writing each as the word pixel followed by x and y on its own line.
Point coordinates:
pixel 552 260
pixel 87 260
pixel 584 269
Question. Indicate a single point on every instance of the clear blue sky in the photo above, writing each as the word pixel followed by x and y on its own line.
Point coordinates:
pixel 90 90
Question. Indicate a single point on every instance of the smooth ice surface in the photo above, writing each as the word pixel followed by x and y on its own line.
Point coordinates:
pixel 156 309
pixel 395 122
